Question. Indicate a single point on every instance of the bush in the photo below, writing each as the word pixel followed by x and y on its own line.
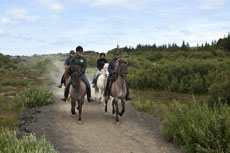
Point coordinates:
pixel 6 62
pixel 198 128
pixel 35 96
pixel 220 87
pixel 9 143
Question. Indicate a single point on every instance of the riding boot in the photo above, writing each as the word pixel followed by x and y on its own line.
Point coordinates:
pixel 88 92
pixel 128 94
pixel 66 93
pixel 107 89
pixel 94 82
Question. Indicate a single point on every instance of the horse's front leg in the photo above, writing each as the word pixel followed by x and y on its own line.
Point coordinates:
pixel 113 107
pixel 123 106
pixel 100 92
pixel 80 103
pixel 117 110
pixel 73 105
pixel 106 102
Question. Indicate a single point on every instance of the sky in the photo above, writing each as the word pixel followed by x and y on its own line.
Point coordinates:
pixel 30 27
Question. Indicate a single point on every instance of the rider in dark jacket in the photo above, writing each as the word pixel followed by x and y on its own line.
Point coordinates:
pixel 80 61
pixel 112 66
pixel 100 64
pixel 67 62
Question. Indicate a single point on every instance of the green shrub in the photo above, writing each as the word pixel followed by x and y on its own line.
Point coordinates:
pixel 6 62
pixel 9 143
pixel 220 87
pixel 15 82
pixel 198 128
pixel 35 96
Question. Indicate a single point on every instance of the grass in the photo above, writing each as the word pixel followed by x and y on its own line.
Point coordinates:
pixel 15 82
pixel 159 102
pixel 9 111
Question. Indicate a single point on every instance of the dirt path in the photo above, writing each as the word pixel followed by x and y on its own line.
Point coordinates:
pixel 137 133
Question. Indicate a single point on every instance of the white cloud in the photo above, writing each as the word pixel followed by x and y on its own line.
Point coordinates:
pixel 1 31
pixel 54 16
pixel 5 20
pixel 131 4
pixel 16 15
pixel 52 5
pixel 212 4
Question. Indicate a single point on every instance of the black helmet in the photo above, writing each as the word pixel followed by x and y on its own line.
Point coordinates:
pixel 79 49
pixel 72 52
pixel 102 54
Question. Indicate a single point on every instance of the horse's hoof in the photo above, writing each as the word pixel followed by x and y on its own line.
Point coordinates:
pixel 118 123
pixel 79 122
pixel 73 115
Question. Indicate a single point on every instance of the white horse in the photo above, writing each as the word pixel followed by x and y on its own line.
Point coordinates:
pixel 101 82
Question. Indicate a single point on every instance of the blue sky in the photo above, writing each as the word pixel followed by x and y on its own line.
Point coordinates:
pixel 30 27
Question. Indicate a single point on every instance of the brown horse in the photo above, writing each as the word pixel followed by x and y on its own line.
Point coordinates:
pixel 77 91
pixel 118 89
pixel 66 75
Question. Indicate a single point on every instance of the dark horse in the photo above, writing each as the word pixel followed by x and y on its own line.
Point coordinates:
pixel 118 89
pixel 77 91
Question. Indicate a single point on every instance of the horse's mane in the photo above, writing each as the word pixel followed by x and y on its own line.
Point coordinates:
pixel 75 72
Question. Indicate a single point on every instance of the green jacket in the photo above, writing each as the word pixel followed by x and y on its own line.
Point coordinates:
pixel 80 61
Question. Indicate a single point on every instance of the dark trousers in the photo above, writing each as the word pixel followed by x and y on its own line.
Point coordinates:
pixel 62 79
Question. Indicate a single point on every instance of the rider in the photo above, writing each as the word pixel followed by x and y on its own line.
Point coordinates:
pixel 67 61
pixel 112 66
pixel 80 61
pixel 100 64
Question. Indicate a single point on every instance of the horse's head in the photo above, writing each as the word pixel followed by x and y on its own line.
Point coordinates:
pixel 105 68
pixel 75 72
pixel 122 68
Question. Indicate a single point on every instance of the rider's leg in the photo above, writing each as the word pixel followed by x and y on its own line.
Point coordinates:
pixel 107 88
pixel 66 93
pixel 88 90
pixel 62 81
pixel 95 77
pixel 128 94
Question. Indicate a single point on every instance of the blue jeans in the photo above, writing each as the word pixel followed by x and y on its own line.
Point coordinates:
pixel 95 76
pixel 83 78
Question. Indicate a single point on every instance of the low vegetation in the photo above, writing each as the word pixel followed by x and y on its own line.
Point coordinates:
pixel 27 144
pixel 160 75
pixel 198 127
pixel 23 85
pixel 34 97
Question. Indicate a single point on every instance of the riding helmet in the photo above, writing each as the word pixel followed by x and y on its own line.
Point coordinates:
pixel 117 52
pixel 102 54
pixel 79 49
pixel 72 52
